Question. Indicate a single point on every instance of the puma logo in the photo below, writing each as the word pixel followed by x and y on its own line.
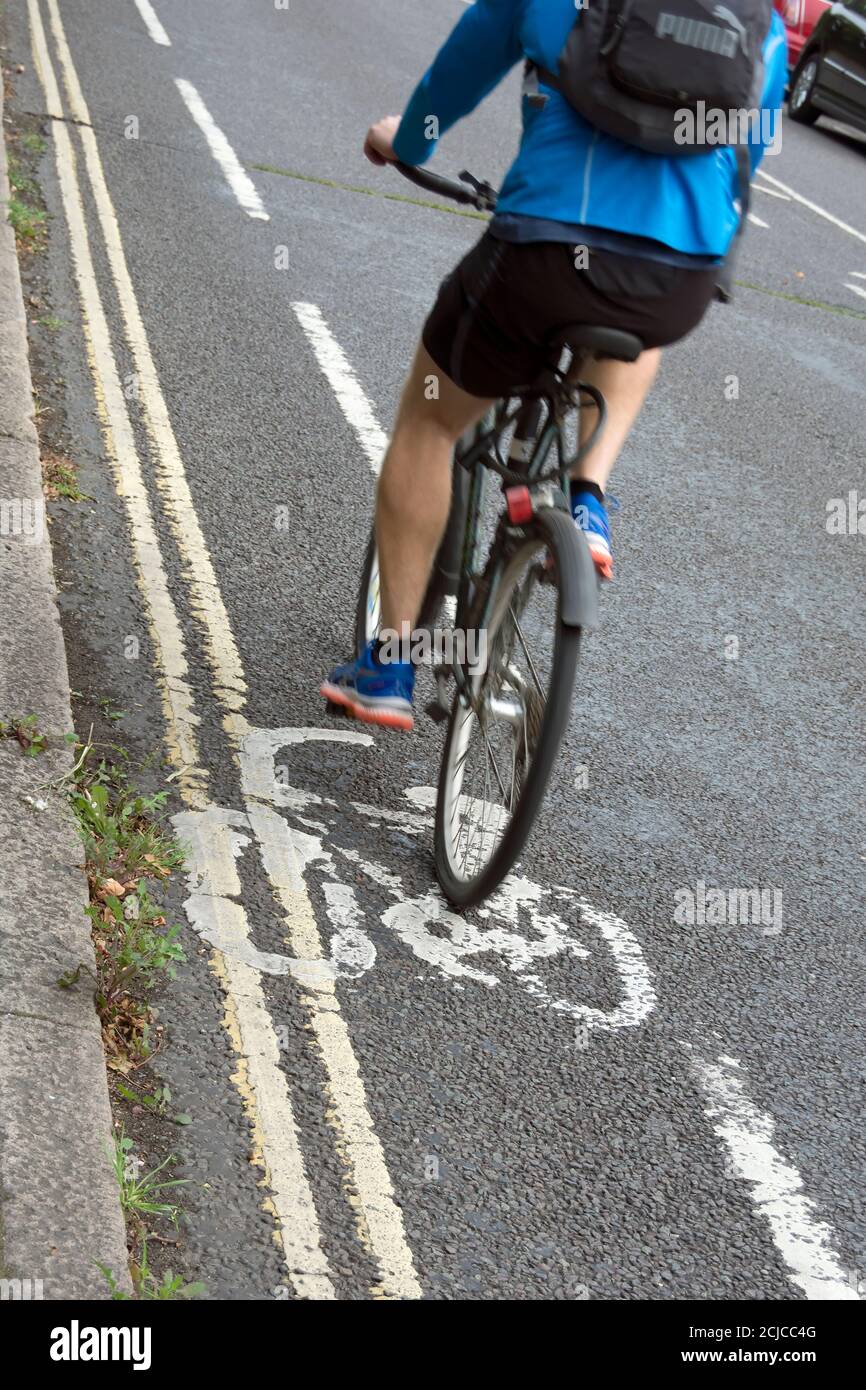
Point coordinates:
pixel 694 33
pixel 728 17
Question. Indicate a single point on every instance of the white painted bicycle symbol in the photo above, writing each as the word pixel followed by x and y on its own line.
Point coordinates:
pixel 296 835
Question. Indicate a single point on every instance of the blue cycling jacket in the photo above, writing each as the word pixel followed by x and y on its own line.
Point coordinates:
pixel 566 169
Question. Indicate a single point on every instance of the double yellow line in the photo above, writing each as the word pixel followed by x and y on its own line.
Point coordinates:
pixel 288 1192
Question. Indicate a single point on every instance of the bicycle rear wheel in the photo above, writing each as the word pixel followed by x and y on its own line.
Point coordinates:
pixel 368 608
pixel 504 736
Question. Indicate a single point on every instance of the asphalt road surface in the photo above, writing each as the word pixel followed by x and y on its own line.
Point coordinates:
pixel 571 1093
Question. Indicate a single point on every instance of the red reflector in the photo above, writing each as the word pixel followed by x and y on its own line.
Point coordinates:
pixel 519 501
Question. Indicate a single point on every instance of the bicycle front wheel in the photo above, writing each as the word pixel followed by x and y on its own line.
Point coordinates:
pixel 506 728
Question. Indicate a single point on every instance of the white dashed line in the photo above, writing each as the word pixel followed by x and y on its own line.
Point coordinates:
pixel 858 289
pixel 350 394
pixel 236 176
pixel 804 1242
pixel 152 24
pixel 813 207
pixel 758 221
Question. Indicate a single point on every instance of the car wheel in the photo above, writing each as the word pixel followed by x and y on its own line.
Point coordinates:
pixel 803 83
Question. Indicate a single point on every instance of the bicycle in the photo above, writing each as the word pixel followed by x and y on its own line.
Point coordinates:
pixel 517 702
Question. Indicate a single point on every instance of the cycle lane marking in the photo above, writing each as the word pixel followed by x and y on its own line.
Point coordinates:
pixel 151 22
pixel 233 171
pixel 350 394
pixel 522 924
pixel 813 207
pixel 775 1186
pixel 519 898
pixel 858 289
pixel 369 1193
pixel 261 1086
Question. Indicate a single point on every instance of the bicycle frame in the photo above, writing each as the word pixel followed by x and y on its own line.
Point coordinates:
pixel 477 455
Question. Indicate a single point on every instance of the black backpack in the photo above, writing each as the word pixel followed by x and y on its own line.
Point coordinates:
pixel 643 69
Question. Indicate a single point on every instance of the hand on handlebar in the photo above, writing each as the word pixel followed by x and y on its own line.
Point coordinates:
pixel 379 149
pixel 379 144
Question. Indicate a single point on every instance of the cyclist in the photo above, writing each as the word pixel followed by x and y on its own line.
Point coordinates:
pixel 588 229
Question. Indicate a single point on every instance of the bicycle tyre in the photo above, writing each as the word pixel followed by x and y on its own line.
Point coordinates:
pixel 558 532
pixel 430 608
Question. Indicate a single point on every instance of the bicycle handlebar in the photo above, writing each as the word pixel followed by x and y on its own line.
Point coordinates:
pixel 470 190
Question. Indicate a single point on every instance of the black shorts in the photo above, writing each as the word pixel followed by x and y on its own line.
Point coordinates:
pixel 489 327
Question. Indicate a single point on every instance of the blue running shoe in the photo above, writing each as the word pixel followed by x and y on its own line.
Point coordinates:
pixel 376 692
pixel 590 517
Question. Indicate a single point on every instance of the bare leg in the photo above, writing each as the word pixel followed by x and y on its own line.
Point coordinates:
pixel 414 493
pixel 624 386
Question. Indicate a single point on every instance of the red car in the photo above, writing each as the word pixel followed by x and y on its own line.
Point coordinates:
pixel 800 18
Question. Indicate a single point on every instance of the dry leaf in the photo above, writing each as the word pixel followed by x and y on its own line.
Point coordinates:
pixel 110 889
pixel 158 868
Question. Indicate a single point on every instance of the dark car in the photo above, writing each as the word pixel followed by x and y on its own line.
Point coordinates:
pixel 800 17
pixel 830 77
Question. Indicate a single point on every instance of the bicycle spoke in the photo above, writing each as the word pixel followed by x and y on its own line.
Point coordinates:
pixel 492 759
pixel 495 740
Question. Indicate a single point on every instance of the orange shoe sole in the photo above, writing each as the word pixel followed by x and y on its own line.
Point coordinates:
pixel 386 719
pixel 603 563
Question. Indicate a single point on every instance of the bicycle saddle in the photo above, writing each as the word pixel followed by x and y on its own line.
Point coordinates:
pixel 599 342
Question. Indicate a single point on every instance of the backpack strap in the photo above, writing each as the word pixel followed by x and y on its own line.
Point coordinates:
pixel 725 286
